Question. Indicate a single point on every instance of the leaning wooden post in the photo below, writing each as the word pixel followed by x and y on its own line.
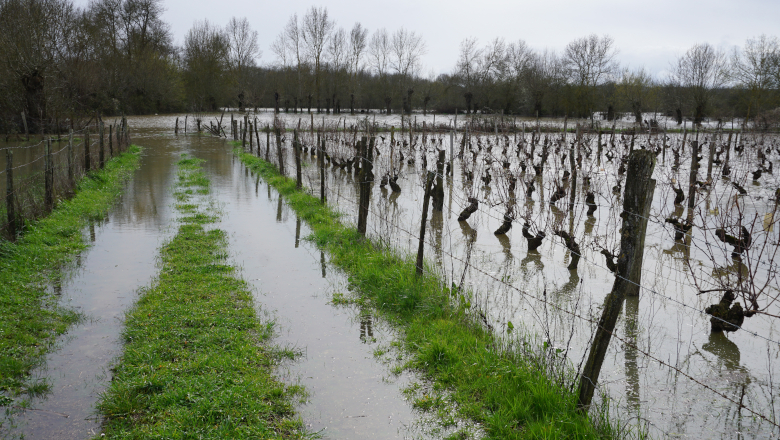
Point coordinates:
pixel 636 202
pixel 110 141
pixel 48 177
pixel 71 174
pixel 426 202
pixel 297 152
pixel 101 151
pixel 9 192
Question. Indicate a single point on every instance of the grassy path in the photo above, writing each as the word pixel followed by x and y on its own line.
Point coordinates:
pixel 505 391
pixel 31 318
pixel 196 361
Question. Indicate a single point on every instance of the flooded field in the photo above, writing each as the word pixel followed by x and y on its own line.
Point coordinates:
pixel 705 387
pixel 707 384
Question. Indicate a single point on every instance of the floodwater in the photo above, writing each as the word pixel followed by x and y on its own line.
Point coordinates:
pixel 351 394
pixel 354 396
pixel 101 285
pixel 666 373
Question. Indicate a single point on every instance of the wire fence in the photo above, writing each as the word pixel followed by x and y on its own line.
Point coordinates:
pixel 504 160
pixel 35 176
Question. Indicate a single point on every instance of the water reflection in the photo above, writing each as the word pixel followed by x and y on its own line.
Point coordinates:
pixel 366 328
pixel 631 321
pixel 297 231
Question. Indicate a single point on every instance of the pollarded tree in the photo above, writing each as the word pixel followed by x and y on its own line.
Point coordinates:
pixel 700 71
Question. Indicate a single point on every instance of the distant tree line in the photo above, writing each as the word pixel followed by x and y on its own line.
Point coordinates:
pixel 61 63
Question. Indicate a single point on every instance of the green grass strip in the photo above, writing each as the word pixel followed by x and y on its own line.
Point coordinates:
pixel 196 361
pixel 504 391
pixel 31 318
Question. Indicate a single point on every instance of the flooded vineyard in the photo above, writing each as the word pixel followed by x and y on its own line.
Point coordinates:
pixel 520 188
pixel 710 248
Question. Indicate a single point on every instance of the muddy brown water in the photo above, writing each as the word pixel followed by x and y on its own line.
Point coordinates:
pixel 643 394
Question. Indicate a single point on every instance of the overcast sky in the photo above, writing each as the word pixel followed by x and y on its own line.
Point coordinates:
pixel 648 33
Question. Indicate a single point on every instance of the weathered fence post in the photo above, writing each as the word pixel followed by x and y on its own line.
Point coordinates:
pixel 438 189
pixel 71 174
pixel 87 162
pixel 636 202
pixel 251 138
pixel 267 142
pixel 9 192
pixel 713 144
pixel 26 130
pixel 426 202
pixel 101 152
pixel 366 177
pixel 321 159
pixel 297 152
pixel 176 128
pixel 110 141
pixel 48 177
pixel 257 137
pixel 279 151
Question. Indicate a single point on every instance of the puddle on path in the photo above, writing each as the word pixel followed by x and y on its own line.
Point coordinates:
pixel 102 285
pixel 352 395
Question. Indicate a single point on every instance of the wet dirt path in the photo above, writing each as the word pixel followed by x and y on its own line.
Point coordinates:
pixel 351 394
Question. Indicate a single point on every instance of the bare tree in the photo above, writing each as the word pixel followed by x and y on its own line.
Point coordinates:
pixel 589 62
pixel 755 68
pixel 317 28
pixel 700 71
pixel 542 73
pixel 358 42
pixel 635 90
pixel 31 33
pixel 379 50
pixel 466 69
pixel 338 52
pixel 206 54
pixel 407 49
pixel 243 53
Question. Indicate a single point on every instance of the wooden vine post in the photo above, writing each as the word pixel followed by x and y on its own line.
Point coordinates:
pixel 636 203
pixel 9 192
pixel 426 202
